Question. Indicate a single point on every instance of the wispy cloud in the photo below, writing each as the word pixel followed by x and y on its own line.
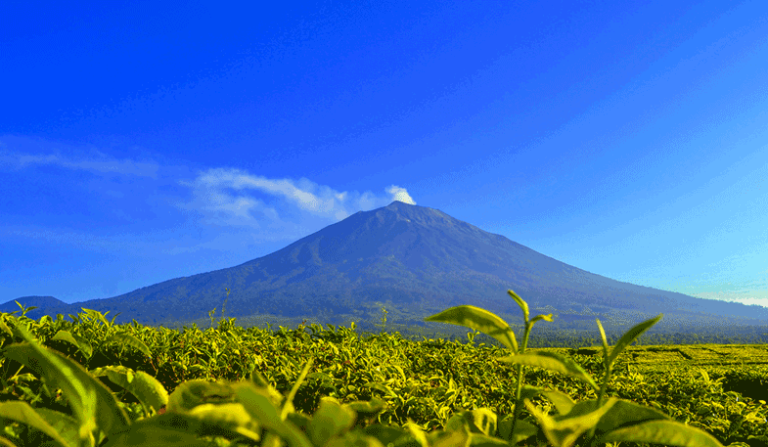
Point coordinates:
pixel 73 238
pixel 225 195
pixel 253 208
pixel 101 164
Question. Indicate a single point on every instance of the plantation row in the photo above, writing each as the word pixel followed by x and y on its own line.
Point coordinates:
pixel 317 385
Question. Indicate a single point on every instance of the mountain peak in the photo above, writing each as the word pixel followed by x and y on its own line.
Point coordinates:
pixel 416 259
pixel 399 204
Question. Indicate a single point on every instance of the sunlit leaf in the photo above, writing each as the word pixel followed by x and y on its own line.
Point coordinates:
pixel 630 336
pixel 663 432
pixel 553 362
pixel 520 302
pixel 479 320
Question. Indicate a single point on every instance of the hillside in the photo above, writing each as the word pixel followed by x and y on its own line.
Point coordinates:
pixel 417 261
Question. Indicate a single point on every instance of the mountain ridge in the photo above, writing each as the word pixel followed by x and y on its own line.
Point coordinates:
pixel 417 259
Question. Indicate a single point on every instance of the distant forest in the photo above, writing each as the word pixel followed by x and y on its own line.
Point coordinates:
pixel 541 336
pixel 409 326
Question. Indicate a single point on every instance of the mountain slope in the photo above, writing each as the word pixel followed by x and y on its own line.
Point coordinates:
pixel 28 301
pixel 419 259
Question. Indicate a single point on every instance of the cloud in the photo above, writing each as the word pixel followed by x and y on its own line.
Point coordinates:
pixel 81 240
pixel 226 196
pixel 253 209
pixel 102 164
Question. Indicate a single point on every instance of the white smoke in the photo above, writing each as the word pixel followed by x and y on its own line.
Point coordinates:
pixel 400 194
pixel 234 197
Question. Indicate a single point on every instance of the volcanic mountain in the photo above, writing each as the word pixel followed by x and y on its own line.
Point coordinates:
pixel 414 260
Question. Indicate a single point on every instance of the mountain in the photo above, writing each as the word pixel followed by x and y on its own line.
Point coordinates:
pixel 415 260
pixel 27 301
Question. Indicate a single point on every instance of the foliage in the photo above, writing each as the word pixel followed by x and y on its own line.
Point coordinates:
pixel 92 383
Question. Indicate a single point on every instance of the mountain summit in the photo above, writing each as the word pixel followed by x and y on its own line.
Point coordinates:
pixel 415 260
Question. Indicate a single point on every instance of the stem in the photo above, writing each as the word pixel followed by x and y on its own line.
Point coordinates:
pixel 519 391
pixel 518 403
pixel 600 397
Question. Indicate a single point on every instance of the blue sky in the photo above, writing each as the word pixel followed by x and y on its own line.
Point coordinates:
pixel 144 142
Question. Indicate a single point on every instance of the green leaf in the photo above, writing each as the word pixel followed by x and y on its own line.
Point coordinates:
pixel 553 362
pixel 603 338
pixel 159 431
pixel 479 320
pixel 199 391
pixel 126 339
pixel 23 413
pixel 478 421
pixel 227 419
pixel 148 390
pixel 520 302
pixel 664 432
pixel 523 429
pixel 630 336
pixel 5 327
pixel 538 318
pixel 91 401
pixel 622 414
pixel 65 425
pixel 368 409
pixel 416 431
pixel 80 342
pixel 563 431
pixel 96 315
pixel 257 402
pixel 288 405
pixel 330 419
pixel 563 402
pixel 460 437
pixel 479 440
pixel 547 317
pixel 529 392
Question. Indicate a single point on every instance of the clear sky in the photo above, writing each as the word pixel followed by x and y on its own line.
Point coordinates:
pixel 148 141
